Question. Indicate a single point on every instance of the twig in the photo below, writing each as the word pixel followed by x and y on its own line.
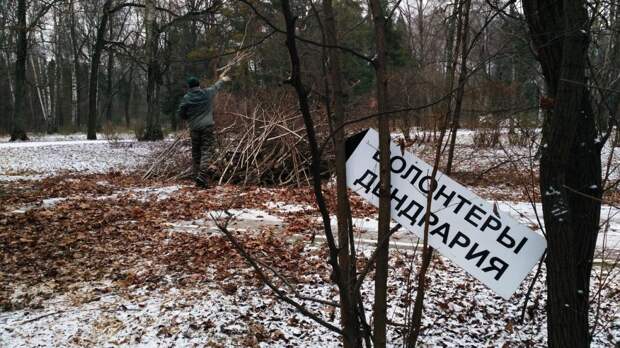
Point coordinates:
pixel 531 287
pixel 40 317
pixel 300 307
pixel 292 288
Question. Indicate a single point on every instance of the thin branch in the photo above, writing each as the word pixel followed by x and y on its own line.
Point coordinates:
pixel 308 41
pixel 531 287
pixel 292 288
pixel 283 296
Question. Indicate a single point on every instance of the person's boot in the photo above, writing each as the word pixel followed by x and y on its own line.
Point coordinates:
pixel 201 182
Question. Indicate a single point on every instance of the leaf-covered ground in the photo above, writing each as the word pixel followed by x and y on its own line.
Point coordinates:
pixel 107 259
pixel 115 262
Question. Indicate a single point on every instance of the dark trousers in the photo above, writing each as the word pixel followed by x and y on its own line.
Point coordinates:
pixel 203 146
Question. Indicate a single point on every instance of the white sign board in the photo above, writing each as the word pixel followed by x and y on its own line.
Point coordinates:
pixel 491 246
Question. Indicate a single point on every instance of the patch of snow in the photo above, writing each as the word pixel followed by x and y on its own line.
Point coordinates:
pixel 287 207
pixel 247 214
pixel 33 160
pixel 157 193
pixel 142 194
pixel 608 238
pixel 27 144
pixel 9 178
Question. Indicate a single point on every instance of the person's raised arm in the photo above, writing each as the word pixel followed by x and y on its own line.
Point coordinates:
pixel 217 86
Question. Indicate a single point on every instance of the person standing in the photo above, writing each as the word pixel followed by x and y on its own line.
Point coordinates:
pixel 197 108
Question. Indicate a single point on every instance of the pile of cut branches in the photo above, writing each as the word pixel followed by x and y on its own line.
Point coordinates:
pixel 266 146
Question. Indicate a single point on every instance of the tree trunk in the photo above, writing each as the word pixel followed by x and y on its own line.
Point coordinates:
pixel 153 127
pixel 9 78
pixel 454 45
pixel 37 79
pixel 346 254
pixel 460 93
pixel 351 337
pixel 64 94
pixel 381 272
pixel 17 128
pixel 170 91
pixel 570 166
pixel 77 78
pixel 93 82
pixel 64 109
pixel 58 97
pixel 6 122
pixel 108 88
pixel 127 89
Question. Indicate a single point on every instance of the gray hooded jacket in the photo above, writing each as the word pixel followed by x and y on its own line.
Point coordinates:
pixel 197 106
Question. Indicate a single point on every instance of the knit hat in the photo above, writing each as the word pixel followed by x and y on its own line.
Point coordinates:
pixel 193 82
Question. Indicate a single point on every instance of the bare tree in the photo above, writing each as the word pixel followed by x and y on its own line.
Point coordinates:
pixel 17 130
pixel 381 275
pixel 350 297
pixel 153 126
pixel 94 70
pixel 350 333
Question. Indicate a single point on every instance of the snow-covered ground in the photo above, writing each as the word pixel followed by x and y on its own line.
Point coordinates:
pixel 53 155
pixel 201 316
pixel 39 138
pixel 460 312
pixel 232 312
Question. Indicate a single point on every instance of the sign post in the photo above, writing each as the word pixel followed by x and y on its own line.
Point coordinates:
pixel 491 246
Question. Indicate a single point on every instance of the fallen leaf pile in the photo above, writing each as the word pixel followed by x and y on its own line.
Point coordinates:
pixel 125 239
pixel 33 191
